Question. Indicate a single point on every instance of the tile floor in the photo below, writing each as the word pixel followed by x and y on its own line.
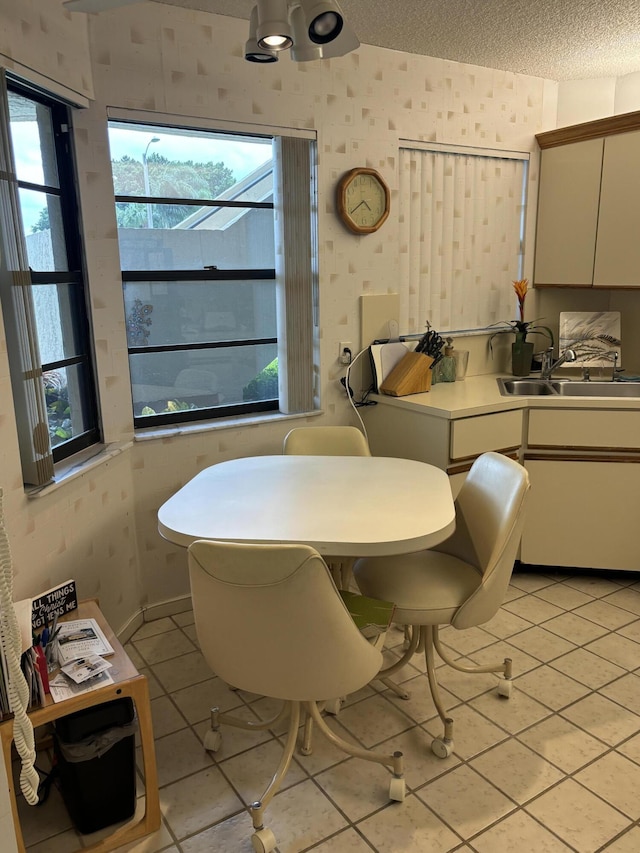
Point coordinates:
pixel 554 769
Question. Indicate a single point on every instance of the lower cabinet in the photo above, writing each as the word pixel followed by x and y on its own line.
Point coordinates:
pixel 583 513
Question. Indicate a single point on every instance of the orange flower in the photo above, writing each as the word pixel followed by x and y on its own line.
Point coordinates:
pixel 521 288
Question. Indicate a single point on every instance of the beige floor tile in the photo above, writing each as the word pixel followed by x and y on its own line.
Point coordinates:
pixel 603 719
pixel 185 618
pixel 564 596
pixel 514 714
pixel 628 599
pixel 552 688
pixel 627 843
pixel 159 840
pixel 165 717
pixel 156 626
pixel 472 732
pixel 516 770
pixel 178 755
pixel 190 631
pixel 197 700
pixel 605 614
pixel 44 821
pixel 357 787
pixel 233 834
pixel 578 629
pixel 409 827
pixel 530 581
pixel 625 691
pixel 631 748
pixel 466 641
pixel 251 772
pixel 518 832
pixel 533 608
pixel 505 624
pixel 465 801
pixel 420 763
pixel 419 706
pixel 347 841
pixel 196 802
pixel 155 688
pixel 301 816
pixel 562 743
pixel 522 662
pixel 162 647
pixel 465 685
pixel 594 585
pixel 374 720
pixel 134 656
pixel 324 753
pixel 182 672
pixel 580 818
pixel 591 669
pixel 617 780
pixel 631 631
pixel 62 843
pixel 542 644
pixel 619 650
pixel 234 740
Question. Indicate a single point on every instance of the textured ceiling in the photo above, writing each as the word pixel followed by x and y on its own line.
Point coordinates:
pixel 555 39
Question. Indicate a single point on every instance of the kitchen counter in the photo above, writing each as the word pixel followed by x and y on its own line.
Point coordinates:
pixel 480 395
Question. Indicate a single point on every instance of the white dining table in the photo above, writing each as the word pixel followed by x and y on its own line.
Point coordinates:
pixel 343 506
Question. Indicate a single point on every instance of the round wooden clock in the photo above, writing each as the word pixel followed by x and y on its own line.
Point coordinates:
pixel 363 200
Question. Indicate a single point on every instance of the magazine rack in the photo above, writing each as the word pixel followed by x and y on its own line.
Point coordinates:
pixel 127 681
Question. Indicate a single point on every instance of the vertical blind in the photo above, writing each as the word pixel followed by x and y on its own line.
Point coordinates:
pixel 461 237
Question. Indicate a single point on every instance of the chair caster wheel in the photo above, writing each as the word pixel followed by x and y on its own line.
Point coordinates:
pixel 212 740
pixel 441 748
pixel 397 789
pixel 504 688
pixel 263 841
pixel 332 706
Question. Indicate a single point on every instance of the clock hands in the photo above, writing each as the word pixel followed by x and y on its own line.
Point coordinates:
pixel 359 205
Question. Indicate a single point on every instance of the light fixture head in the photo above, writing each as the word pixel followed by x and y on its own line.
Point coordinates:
pixel 252 50
pixel 305 50
pixel 273 31
pixel 324 20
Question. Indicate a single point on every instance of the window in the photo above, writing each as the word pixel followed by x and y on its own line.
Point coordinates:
pixel 205 288
pixel 42 283
pixel 462 214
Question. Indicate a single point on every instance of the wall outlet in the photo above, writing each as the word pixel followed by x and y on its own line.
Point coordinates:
pixel 345 352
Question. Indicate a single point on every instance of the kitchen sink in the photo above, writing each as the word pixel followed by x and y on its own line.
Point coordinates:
pixel 532 387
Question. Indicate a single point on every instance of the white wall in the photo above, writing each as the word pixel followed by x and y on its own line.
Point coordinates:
pixel 587 100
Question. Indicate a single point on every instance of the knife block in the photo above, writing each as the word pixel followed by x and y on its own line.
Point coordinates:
pixel 412 375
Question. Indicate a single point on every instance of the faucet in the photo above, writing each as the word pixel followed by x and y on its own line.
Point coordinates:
pixel 549 365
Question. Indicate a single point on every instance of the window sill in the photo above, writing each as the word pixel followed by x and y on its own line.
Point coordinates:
pixel 78 465
pixel 223 423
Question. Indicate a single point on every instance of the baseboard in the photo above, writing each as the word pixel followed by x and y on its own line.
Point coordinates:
pixel 151 613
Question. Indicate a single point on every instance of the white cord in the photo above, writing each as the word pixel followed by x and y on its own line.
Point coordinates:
pixel 18 688
pixel 350 395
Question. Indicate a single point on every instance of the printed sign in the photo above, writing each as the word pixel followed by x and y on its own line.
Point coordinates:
pixel 54 602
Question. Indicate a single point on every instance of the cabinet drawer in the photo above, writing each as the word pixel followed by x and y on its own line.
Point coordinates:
pixel 472 436
pixel 603 429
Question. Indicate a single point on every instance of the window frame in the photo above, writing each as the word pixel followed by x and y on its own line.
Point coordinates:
pixel 275 274
pixel 75 277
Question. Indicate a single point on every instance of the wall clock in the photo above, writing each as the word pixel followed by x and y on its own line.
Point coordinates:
pixel 363 200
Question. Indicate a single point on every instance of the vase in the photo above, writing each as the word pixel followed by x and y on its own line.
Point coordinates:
pixel 521 356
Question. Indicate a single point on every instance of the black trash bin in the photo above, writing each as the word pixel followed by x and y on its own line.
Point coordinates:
pixel 95 757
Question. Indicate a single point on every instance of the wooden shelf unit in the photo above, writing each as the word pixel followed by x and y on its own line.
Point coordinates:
pixel 127 682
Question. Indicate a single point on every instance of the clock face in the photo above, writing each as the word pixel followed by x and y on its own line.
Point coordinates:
pixel 363 200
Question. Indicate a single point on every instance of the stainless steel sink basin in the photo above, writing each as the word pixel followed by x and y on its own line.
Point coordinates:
pixel 531 387
pixel 599 389
pixel 525 387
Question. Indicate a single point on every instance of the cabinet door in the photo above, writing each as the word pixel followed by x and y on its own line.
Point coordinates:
pixel 568 213
pixel 582 514
pixel 472 436
pixel 617 260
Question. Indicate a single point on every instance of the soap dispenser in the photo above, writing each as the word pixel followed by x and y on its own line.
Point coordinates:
pixel 446 367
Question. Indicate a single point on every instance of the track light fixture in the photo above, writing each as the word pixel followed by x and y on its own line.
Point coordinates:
pixel 313 29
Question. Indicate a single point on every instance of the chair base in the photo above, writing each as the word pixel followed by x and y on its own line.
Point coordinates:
pixel 427 638
pixel 263 840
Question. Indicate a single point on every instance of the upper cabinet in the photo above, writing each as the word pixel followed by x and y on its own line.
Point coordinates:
pixel 589 205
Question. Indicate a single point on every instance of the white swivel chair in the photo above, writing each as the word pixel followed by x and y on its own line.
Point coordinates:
pixel 270 621
pixel 326 441
pixel 461 582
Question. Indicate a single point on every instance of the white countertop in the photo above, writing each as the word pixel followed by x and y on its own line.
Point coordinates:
pixel 479 395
